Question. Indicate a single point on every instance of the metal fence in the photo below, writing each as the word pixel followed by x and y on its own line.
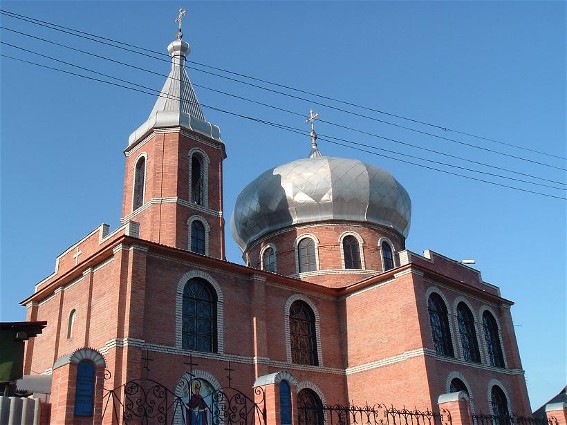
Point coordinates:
pixel 148 402
pixel 512 419
pixel 377 414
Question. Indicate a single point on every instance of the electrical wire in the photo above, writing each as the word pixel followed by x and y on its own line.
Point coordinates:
pixel 341 142
pixel 159 55
pixel 265 105
pixel 150 90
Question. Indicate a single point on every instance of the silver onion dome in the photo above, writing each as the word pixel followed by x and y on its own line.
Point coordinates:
pixel 317 189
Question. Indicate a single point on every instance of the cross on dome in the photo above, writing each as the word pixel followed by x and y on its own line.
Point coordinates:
pixel 311 119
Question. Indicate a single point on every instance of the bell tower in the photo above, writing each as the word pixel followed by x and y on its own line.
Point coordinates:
pixel 173 177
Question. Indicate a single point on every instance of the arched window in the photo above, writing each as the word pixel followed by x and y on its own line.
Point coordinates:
pixel 306 255
pixel 139 183
pixel 467 331
pixel 351 252
pixel 269 260
pixel 458 385
pixel 71 323
pixel 387 256
pixel 84 393
pixel 492 339
pixel 198 237
pixel 199 316
pixel 438 318
pixel 285 403
pixel 197 180
pixel 499 404
pixel 310 408
pixel 302 334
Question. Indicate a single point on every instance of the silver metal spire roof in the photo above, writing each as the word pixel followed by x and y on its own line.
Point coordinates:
pixel 177 104
pixel 315 189
pixel 177 94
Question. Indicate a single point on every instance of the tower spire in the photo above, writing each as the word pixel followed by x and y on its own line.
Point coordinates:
pixel 177 104
pixel 314 149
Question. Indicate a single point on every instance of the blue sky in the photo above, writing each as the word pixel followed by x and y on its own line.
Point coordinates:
pixel 491 69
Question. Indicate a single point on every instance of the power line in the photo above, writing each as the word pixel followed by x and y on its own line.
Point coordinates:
pixel 266 105
pixel 151 90
pixel 288 128
pixel 158 55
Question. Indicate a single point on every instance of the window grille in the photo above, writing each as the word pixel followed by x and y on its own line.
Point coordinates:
pixel 441 333
pixel 310 408
pixel 469 341
pixel 199 316
pixel 303 334
pixel 492 339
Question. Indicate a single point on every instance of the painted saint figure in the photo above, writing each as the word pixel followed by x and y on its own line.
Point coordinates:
pixel 197 407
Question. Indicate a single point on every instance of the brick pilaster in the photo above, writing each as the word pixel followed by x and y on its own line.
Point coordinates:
pixel 557 411
pixel 457 405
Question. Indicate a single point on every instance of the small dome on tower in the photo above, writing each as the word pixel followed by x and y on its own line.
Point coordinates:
pixel 316 189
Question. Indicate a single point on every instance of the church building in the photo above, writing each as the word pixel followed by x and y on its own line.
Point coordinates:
pixel 328 301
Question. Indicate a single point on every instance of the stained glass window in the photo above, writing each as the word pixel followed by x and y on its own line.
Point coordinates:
pixel 306 255
pixel 387 256
pixel 197 180
pixel 310 408
pixel 269 260
pixel 438 318
pixel 469 341
pixel 199 316
pixel 302 334
pixel 351 251
pixel 492 339
pixel 197 237
pixel 139 181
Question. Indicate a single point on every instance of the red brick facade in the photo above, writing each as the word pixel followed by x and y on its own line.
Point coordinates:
pixel 121 293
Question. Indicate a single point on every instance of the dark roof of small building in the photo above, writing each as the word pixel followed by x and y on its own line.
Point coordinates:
pixel 30 328
pixel 559 398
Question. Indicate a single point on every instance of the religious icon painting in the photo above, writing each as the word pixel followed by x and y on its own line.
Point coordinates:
pixel 197 402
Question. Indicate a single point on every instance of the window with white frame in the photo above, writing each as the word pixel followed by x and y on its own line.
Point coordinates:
pixel 139 183
pixel 199 318
pixel 439 321
pixel 306 255
pixel 269 259
pixel 387 256
pixel 351 252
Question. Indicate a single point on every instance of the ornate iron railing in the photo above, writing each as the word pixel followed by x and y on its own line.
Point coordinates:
pixel 148 402
pixel 377 414
pixel 512 419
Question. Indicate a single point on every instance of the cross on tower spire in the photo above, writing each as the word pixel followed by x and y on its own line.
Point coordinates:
pixel 179 18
